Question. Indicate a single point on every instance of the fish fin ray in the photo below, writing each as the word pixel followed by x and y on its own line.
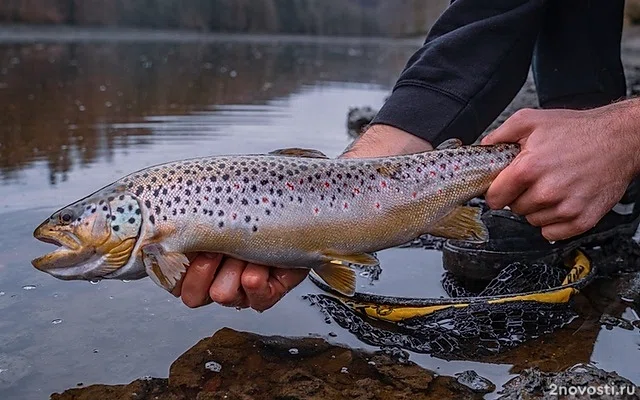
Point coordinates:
pixel 298 152
pixel 164 268
pixel 450 144
pixel 359 259
pixel 462 223
pixel 339 277
pixel 117 256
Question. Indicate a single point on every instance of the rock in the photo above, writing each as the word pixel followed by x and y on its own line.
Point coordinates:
pixel 238 365
pixel 475 382
pixel 358 118
pixel 534 384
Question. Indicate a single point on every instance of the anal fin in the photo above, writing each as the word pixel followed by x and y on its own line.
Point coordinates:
pixel 462 223
pixel 339 277
pixel 164 268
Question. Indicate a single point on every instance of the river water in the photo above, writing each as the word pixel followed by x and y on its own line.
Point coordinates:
pixel 77 114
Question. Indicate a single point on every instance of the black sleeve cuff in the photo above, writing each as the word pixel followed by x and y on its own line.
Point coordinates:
pixel 423 111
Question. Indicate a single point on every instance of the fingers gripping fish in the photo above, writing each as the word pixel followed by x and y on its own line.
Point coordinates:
pixel 291 208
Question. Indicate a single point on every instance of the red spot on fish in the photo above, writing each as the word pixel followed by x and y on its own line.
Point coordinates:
pixel 316 210
pixel 432 173
pixel 290 186
pixel 234 215
pixel 356 191
pixel 237 186
pixel 443 166
pixel 383 184
pixel 346 205
pixel 456 168
pixel 265 200
pixel 327 184
pixel 377 205
pixel 491 161
pixel 414 194
pixel 206 198
pixel 439 191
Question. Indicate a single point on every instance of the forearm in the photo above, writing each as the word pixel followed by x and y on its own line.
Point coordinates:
pixel 473 62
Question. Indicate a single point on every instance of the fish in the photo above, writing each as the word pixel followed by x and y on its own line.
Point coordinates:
pixel 291 208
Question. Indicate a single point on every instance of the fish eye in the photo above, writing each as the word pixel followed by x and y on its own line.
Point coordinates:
pixel 66 216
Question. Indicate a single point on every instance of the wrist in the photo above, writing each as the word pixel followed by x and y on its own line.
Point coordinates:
pixel 385 140
pixel 627 123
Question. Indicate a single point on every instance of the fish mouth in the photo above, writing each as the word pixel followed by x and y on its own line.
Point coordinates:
pixel 69 249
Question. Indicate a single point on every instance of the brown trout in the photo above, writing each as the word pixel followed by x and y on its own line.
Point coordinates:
pixel 290 208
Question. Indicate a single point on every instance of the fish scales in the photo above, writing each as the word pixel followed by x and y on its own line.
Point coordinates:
pixel 294 211
pixel 286 205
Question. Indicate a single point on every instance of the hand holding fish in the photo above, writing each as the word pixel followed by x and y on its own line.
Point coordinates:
pixel 236 283
pixel 573 166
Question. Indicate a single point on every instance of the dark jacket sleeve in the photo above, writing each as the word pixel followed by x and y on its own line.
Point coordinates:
pixel 475 59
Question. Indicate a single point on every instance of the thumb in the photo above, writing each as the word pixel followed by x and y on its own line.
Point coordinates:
pixel 515 128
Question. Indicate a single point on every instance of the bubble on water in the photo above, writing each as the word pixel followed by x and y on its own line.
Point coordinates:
pixel 126 281
pixel 344 370
pixel 81 108
pixel 29 287
pixel 56 321
pixel 2 293
pixel 233 73
pixel 333 334
pixel 365 274
pixel 293 351
pixel 108 104
pixel 371 363
pixel 95 351
pixel 110 297
pixel 213 366
pixel 3 370
pixel 94 281
pixel 103 88
pixel 238 308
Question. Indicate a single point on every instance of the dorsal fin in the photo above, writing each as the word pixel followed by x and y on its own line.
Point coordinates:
pixel 298 152
pixel 450 144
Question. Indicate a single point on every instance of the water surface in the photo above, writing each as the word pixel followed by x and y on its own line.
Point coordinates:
pixel 75 116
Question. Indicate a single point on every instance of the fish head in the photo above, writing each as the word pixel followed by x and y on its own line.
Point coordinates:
pixel 96 238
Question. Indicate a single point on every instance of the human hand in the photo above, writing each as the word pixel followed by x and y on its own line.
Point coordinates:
pixel 236 283
pixel 572 168
pixel 212 277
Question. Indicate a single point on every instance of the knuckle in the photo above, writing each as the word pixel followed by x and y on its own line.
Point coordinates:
pixel 251 282
pixel 567 211
pixel 545 196
pixel 524 114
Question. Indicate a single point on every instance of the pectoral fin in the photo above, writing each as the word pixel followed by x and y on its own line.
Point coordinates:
pixel 298 152
pixel 164 268
pixel 450 144
pixel 462 223
pixel 339 277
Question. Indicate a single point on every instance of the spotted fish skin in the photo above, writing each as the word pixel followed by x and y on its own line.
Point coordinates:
pixel 286 211
pixel 294 211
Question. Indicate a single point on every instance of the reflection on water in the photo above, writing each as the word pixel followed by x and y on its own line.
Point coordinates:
pixel 76 116
pixel 73 104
